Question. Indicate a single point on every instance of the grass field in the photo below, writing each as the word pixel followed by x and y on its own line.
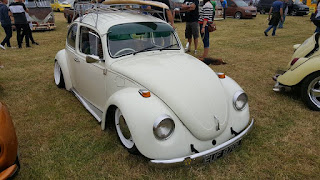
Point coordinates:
pixel 59 139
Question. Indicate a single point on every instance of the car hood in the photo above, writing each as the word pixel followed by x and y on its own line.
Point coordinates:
pixel 249 8
pixel 189 87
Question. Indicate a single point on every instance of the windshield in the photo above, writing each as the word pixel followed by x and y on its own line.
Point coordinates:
pixel 241 3
pixel 132 38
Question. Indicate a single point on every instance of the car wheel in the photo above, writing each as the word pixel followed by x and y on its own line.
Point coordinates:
pixel 123 132
pixel 262 11
pixel 238 15
pixel 310 91
pixel 58 76
pixel 293 13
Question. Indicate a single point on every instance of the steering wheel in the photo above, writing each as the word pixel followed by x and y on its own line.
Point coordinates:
pixel 123 50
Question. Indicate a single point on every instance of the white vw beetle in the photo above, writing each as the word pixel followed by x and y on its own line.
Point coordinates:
pixel 130 71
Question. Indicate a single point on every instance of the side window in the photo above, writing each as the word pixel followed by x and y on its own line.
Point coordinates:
pixel 72 34
pixel 90 42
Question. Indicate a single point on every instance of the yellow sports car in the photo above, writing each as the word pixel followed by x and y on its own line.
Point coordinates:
pixel 303 72
pixel 60 5
pixel 9 162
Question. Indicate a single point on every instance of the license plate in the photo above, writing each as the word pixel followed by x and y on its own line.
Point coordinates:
pixel 214 156
pixel 254 14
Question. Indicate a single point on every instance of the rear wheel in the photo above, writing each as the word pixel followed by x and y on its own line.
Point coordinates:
pixel 123 132
pixel 310 91
pixel 238 15
pixel 58 76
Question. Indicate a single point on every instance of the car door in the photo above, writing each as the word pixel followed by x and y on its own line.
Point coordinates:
pixel 91 77
pixel 231 8
pixel 71 53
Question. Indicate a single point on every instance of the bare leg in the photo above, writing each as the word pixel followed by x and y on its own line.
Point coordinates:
pixel 189 41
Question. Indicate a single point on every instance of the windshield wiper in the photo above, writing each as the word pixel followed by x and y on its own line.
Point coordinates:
pixel 143 50
pixel 168 47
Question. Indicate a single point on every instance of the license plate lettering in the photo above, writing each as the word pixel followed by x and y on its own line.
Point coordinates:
pixel 212 157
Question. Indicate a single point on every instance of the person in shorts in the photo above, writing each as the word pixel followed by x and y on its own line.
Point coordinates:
pixel 192 27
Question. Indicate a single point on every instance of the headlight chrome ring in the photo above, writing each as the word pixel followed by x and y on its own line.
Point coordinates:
pixel 240 100
pixel 163 127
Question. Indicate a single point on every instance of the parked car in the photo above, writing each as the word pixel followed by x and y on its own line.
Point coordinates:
pixel 303 72
pixel 131 72
pixel 9 161
pixel 239 9
pixel 41 15
pixel 72 13
pixel 294 8
pixel 60 5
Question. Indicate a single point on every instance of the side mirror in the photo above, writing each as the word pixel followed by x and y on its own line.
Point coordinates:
pixel 92 59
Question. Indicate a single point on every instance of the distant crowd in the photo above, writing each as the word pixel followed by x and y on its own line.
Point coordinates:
pixel 22 23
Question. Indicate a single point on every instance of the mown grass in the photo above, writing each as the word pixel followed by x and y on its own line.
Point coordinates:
pixel 59 139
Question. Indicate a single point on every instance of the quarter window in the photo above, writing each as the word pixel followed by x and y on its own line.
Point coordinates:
pixel 72 34
pixel 90 42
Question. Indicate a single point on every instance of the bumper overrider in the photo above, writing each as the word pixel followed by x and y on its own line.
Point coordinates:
pixel 209 155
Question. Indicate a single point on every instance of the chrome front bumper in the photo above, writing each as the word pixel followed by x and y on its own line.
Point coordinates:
pixel 203 156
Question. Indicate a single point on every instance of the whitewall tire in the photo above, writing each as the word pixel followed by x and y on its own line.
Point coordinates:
pixel 58 76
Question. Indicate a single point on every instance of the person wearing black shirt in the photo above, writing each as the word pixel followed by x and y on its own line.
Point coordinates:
pixel 18 9
pixel 192 26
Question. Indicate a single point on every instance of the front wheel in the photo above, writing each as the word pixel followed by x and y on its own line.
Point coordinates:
pixel 293 13
pixel 58 76
pixel 238 15
pixel 124 133
pixel 310 91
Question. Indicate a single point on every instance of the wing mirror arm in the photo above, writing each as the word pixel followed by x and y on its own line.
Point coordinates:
pixel 93 59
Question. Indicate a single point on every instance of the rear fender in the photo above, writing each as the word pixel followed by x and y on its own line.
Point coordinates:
pixel 294 76
pixel 62 60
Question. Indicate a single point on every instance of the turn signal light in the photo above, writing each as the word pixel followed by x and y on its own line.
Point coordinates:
pixel 294 61
pixel 221 75
pixel 144 93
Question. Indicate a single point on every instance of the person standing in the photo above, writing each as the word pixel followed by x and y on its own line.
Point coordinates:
pixel 5 23
pixel 192 27
pixel 214 4
pixel 225 6
pixel 205 18
pixel 285 12
pixel 18 9
pixel 168 13
pixel 316 20
pixel 277 13
pixel 29 32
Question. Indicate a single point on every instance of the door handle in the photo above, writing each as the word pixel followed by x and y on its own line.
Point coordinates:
pixel 76 60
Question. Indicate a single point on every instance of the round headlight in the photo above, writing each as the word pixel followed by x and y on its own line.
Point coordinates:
pixel 163 127
pixel 240 100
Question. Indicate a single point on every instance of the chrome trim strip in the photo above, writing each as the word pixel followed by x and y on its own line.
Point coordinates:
pixel 199 156
pixel 87 105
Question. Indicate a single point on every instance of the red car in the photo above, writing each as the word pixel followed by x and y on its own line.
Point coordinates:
pixel 9 162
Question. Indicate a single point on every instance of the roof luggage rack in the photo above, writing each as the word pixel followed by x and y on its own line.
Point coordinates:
pixel 135 6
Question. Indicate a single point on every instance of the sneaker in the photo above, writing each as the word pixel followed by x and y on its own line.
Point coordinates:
pixel 1 66
pixel 19 46
pixel 2 47
pixel 265 33
pixel 28 46
pixel 195 52
pixel 35 43
pixel 186 49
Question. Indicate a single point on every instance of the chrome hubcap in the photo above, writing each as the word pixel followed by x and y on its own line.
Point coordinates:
pixel 314 91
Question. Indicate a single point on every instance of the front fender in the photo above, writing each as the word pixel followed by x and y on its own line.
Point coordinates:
pixel 140 114
pixel 238 120
pixel 61 57
pixel 294 76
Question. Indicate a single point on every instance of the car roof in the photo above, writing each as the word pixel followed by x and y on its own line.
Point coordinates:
pixel 102 21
